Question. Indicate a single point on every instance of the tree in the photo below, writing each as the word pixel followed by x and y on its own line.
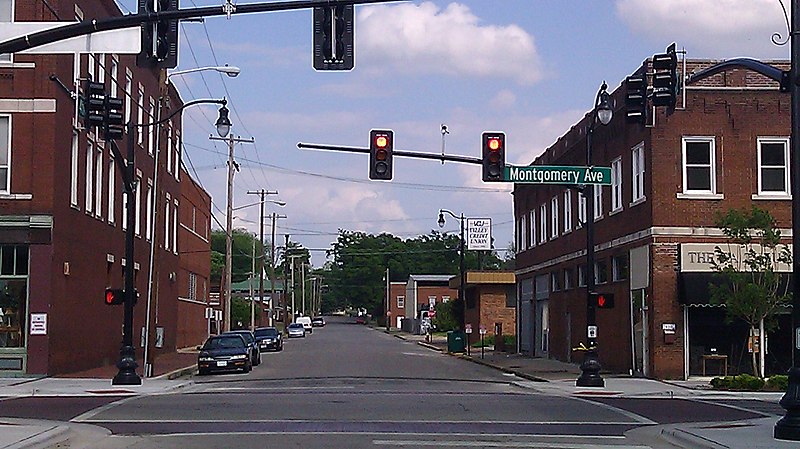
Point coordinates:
pixel 241 254
pixel 752 289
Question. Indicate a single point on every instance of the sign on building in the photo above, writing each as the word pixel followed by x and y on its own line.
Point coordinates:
pixel 479 233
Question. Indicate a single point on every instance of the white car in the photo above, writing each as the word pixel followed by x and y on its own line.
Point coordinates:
pixel 306 322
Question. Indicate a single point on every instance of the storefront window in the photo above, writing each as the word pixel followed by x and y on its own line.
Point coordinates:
pixel 13 295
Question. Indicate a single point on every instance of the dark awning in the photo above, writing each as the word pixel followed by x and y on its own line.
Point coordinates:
pixel 693 287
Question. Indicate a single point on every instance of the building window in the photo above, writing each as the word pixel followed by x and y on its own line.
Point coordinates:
pixel 169 148
pixel 525 237
pixel 166 222
pixel 582 276
pixel 699 173
pixel 637 173
pixel 554 217
pixel 431 302
pixel 124 210
pixel 89 178
pixel 137 227
pixel 149 199
pixel 111 187
pixel 600 272
pixel 192 287
pixel 151 130
pixel 555 282
pixel 114 75
pixel 568 279
pixel 14 291
pixel 519 230
pixel 128 95
pixel 773 167
pixel 6 15
pixel 73 186
pixel 543 223
pixel 532 229
pixel 581 209
pixel 619 267
pixel 140 116
pixel 98 183
pixel 177 155
pixel 175 228
pixel 616 185
pixel 598 201
pixel 445 298
pixel 567 211
pixel 5 156
pixel 401 302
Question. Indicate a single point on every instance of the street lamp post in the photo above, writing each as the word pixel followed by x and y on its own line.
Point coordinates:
pixel 590 368
pixel 127 363
pixel 231 71
pixel 461 269
pixel 788 427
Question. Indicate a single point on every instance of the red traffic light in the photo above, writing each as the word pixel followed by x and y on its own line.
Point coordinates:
pixel 381 141
pixel 114 296
pixel 494 144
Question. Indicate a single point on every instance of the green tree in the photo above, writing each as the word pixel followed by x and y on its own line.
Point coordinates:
pixel 752 291
pixel 240 313
pixel 241 254
pixel 446 318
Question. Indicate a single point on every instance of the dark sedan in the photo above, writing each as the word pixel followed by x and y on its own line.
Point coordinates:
pixel 269 338
pixel 224 353
pixel 250 339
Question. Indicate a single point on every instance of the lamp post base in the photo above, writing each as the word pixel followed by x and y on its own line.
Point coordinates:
pixel 788 427
pixel 590 376
pixel 127 368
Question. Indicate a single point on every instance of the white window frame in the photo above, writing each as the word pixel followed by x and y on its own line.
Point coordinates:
pixel 166 222
pixel 114 88
pixel 124 210
pixel 112 171
pixel 543 223
pixel 532 228
pixel 98 183
pixel 616 185
pixel 445 298
pixel 169 147
pixel 128 95
pixel 137 226
pixel 524 226
pixel 554 217
pixel 401 302
pixel 73 191
pixel 518 230
pixel 8 58
pixel 597 194
pixel 140 116
pixel 712 167
pixel 177 155
pixel 637 174
pixel 89 200
pixel 567 211
pixel 151 130
pixel 581 210
pixel 101 67
pixel 786 193
pixel 175 219
pixel 149 199
pixel 7 165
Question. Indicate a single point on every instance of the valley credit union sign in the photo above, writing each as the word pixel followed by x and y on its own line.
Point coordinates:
pixel 479 233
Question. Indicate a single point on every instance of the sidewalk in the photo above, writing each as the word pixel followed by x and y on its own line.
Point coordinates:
pixel 558 378
pixel 24 433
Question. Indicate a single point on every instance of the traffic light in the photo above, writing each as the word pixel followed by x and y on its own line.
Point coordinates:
pixel 334 35
pixel 636 99
pixel 602 300
pixel 113 125
pixel 665 78
pixel 95 101
pixel 494 156
pixel 115 296
pixel 381 144
pixel 159 39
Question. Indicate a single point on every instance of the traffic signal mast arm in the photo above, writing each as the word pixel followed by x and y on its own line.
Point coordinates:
pixel 89 26
pixel 411 154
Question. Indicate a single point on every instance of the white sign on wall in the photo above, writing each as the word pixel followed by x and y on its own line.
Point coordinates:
pixel 38 324
pixel 479 233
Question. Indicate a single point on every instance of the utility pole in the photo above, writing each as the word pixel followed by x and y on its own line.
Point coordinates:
pixel 252 294
pixel 232 141
pixel 303 286
pixel 272 268
pixel 285 283
pixel 262 193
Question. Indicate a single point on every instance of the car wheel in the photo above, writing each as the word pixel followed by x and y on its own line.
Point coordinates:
pixel 258 359
pixel 280 348
pixel 202 372
pixel 248 367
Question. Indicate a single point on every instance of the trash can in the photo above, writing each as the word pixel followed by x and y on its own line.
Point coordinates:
pixel 455 341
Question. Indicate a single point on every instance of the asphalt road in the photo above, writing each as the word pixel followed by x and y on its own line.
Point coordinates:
pixel 348 386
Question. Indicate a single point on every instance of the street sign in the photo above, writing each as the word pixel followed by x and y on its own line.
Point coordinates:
pixel 591 331
pixel 479 233
pixel 557 174
pixel 482 330
pixel 468 328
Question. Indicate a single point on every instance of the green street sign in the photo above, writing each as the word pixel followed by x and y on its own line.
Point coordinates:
pixel 557 174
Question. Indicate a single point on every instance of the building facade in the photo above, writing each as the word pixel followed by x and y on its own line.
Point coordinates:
pixel 62 207
pixel 491 303
pixel 726 146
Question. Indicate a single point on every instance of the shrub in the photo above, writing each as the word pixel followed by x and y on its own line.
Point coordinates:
pixel 742 382
pixel 777 383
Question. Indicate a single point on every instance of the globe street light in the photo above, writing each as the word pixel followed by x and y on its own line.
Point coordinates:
pixel 590 368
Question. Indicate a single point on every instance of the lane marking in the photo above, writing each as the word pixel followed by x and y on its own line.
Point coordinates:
pixel 87 416
pixel 636 417
pixel 383 434
pixel 504 444
pixel 312 421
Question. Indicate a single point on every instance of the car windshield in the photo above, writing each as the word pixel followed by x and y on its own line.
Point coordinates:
pixel 246 335
pixel 224 343
pixel 295 326
pixel 266 332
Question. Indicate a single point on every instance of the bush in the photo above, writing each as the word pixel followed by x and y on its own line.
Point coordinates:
pixel 742 382
pixel 777 383
pixel 488 341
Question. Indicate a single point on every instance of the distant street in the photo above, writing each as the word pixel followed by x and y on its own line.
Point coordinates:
pixel 348 386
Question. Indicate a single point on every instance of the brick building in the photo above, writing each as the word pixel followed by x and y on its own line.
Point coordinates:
pixel 491 301
pixel 726 146
pixel 422 293
pixel 62 215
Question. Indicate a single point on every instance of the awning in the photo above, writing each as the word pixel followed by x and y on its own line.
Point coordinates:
pixel 693 287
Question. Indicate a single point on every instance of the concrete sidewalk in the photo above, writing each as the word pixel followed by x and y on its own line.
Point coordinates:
pixel 558 378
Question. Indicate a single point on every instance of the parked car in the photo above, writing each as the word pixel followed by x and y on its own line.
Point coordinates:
pixel 250 339
pixel 224 353
pixel 361 320
pixel 306 322
pixel 269 338
pixel 296 330
pixel 317 321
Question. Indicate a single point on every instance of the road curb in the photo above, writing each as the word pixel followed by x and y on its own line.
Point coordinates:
pixel 47 438
pixel 484 363
pixel 180 372
pixel 685 439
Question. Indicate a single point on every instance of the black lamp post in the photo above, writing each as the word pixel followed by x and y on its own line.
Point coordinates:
pixel 788 427
pixel 461 269
pixel 590 368
pixel 127 363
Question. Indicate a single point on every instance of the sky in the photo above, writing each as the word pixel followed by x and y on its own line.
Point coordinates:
pixel 530 68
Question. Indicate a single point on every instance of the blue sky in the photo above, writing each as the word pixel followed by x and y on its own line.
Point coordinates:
pixel 530 68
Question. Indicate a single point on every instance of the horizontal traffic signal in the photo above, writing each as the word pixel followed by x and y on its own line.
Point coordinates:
pixel 636 99
pixel 601 300
pixel 665 78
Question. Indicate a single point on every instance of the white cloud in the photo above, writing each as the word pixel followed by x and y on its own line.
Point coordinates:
pixel 426 39
pixel 718 28
pixel 503 100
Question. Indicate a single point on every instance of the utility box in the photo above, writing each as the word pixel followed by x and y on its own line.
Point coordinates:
pixel 455 341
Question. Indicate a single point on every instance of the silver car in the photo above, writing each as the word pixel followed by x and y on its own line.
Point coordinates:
pixel 296 330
